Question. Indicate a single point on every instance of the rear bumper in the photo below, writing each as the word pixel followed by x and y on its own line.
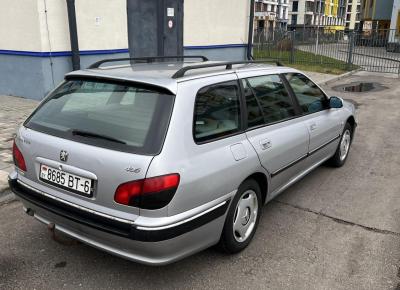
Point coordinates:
pixel 154 246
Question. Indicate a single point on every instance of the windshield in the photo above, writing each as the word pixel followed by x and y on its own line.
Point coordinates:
pixel 118 116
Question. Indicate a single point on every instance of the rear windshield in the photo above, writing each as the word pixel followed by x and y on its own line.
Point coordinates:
pixel 119 116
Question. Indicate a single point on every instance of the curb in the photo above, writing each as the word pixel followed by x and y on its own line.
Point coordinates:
pixel 339 77
pixel 7 197
pixel 5 193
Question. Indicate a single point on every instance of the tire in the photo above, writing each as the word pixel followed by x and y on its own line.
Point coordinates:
pixel 238 233
pixel 342 152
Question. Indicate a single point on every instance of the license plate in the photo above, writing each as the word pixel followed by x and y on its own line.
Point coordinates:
pixel 72 182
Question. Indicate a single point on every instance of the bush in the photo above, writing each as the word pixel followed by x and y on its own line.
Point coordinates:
pixel 285 45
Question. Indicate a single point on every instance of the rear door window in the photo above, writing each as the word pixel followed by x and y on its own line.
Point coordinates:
pixel 217 111
pixel 255 115
pixel 267 100
pixel 126 117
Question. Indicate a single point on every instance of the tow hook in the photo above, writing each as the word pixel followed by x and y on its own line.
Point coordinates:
pixel 63 241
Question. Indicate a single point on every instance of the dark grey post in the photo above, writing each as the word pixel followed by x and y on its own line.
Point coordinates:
pixel 73 34
pixel 251 31
pixel 350 51
pixel 398 72
pixel 292 40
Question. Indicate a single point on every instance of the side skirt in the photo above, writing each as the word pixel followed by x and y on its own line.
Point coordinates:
pixel 295 179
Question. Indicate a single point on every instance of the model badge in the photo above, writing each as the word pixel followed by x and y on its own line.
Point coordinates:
pixel 64 156
pixel 132 169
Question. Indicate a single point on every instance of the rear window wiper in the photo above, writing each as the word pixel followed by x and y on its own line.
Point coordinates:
pixel 95 135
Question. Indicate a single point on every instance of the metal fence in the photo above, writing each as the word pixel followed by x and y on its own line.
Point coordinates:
pixel 372 50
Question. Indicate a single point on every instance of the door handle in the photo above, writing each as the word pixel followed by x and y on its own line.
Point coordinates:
pixel 265 144
pixel 313 126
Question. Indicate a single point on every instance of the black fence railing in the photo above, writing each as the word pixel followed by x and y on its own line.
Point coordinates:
pixel 373 50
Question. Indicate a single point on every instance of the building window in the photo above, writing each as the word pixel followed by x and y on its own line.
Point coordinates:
pixel 294 19
pixel 295 6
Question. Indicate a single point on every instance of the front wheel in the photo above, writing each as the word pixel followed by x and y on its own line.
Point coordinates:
pixel 342 152
pixel 242 219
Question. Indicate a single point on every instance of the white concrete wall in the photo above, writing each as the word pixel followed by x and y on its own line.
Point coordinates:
pixel 19 25
pixel 213 22
pixel 102 24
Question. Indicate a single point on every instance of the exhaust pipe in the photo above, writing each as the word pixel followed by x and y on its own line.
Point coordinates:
pixel 29 211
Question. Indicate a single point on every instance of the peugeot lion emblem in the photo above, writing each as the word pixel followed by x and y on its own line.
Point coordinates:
pixel 63 155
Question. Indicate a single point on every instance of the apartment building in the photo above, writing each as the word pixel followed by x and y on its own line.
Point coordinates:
pixel 376 14
pixel 327 14
pixel 270 14
pixel 302 14
pixel 283 13
pixel 353 15
pixel 334 14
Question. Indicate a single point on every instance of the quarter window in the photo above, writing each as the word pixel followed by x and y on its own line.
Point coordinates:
pixel 272 98
pixel 311 98
pixel 217 111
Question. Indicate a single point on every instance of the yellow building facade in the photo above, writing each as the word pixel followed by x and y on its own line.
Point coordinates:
pixel 333 19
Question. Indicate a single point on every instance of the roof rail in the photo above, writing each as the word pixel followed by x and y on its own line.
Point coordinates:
pixel 228 65
pixel 149 59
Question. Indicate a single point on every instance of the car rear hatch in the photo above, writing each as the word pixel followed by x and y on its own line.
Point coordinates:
pixel 89 137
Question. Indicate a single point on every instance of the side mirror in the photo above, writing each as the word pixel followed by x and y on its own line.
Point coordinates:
pixel 335 103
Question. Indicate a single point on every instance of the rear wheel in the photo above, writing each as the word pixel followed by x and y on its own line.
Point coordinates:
pixel 342 152
pixel 242 219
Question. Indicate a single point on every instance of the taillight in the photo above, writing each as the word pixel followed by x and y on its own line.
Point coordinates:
pixel 149 193
pixel 19 160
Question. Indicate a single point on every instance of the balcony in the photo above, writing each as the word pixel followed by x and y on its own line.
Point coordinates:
pixel 266 15
pixel 283 20
pixel 272 2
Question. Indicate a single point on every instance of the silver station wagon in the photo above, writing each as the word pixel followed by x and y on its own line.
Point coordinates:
pixel 161 158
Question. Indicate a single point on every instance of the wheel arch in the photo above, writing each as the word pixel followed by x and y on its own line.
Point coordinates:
pixel 352 121
pixel 262 181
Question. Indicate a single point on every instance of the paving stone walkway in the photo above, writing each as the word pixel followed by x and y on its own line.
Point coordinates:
pixel 13 111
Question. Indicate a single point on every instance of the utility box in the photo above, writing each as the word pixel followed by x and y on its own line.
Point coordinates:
pixel 155 27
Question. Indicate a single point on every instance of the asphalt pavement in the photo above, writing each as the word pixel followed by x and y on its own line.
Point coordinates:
pixel 335 229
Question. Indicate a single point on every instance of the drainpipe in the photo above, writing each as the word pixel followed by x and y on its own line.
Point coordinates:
pixel 73 33
pixel 251 31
